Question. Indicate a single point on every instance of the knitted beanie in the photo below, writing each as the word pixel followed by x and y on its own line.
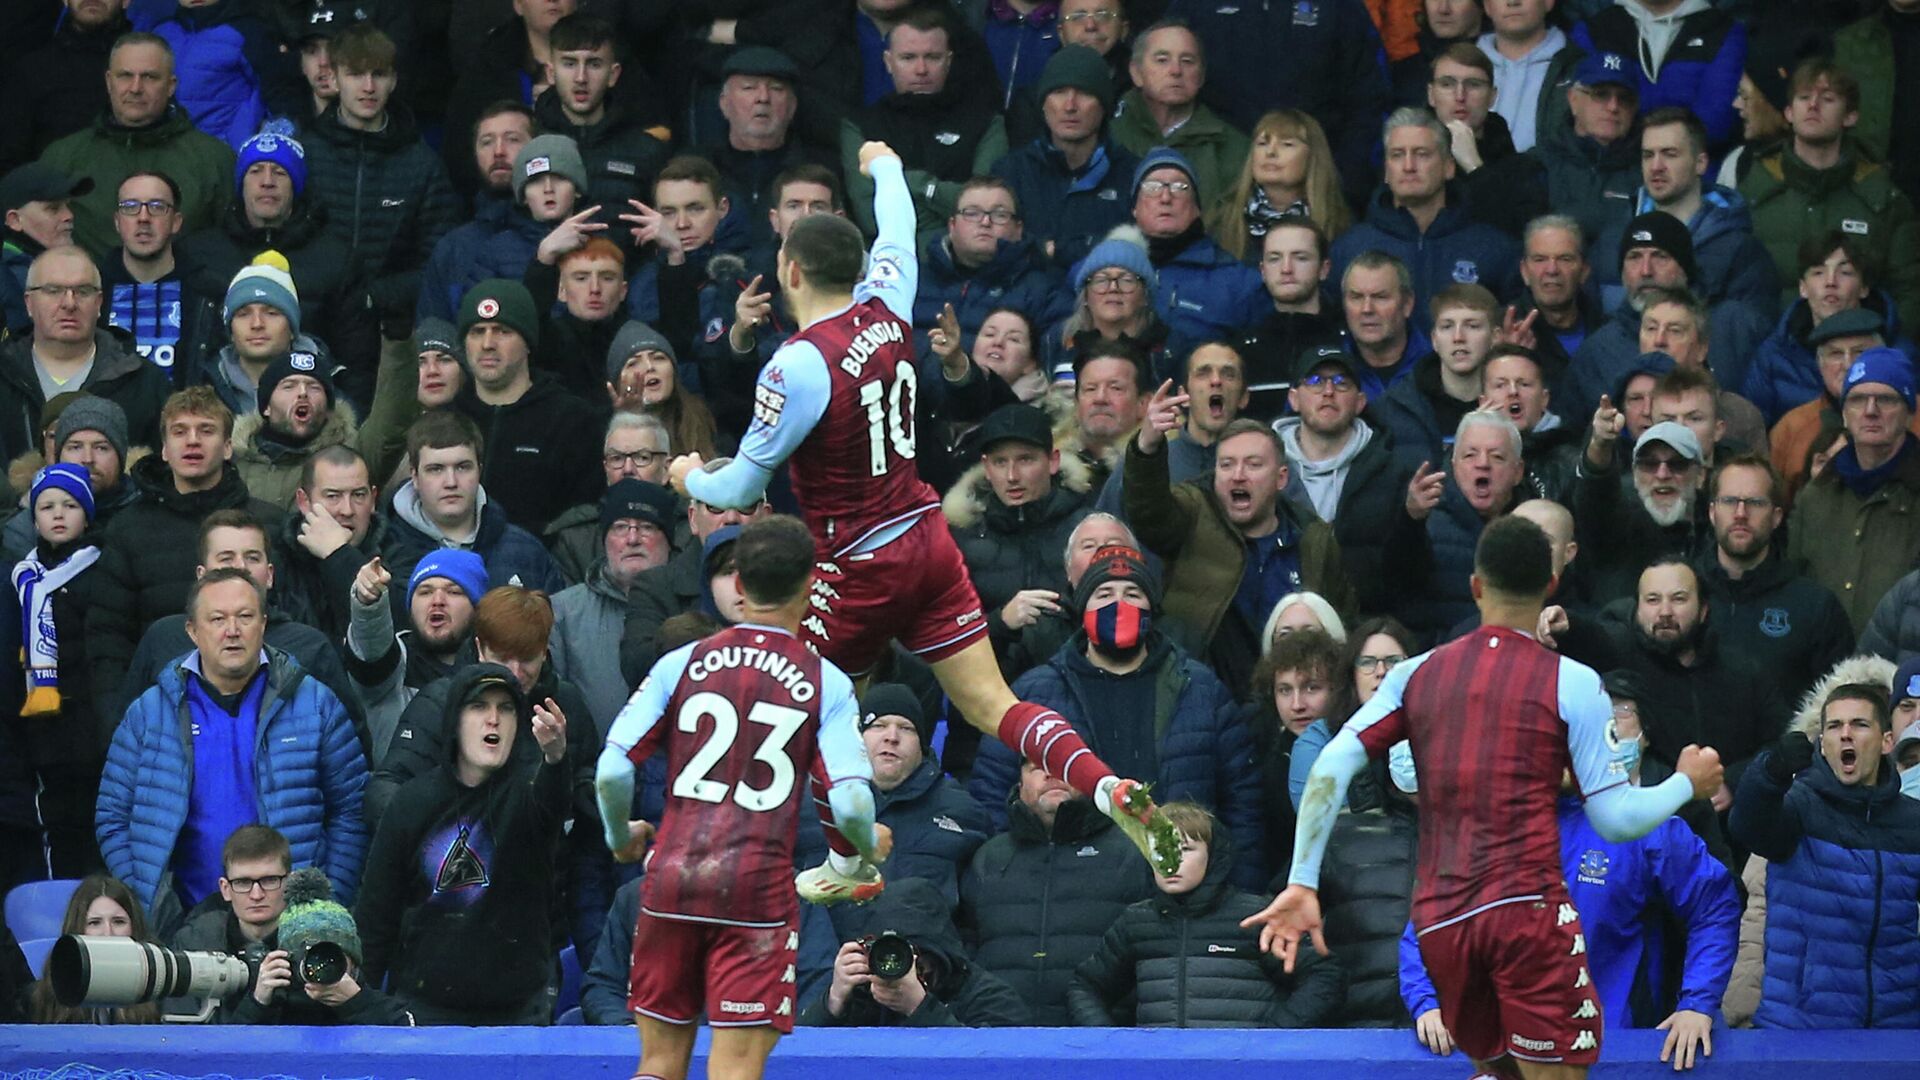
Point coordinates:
pixel 276 144
pixel 268 279
pixel 314 916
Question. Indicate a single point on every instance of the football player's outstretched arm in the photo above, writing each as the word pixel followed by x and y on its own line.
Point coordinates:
pixel 893 269
pixel 849 772
pixel 637 724
pixel 789 398
pixel 1619 810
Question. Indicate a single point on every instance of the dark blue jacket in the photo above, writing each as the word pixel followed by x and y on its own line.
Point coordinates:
pixel 1206 294
pixel 1733 263
pixel 1784 372
pixel 1604 359
pixel 1020 46
pixel 1411 414
pixel 1613 885
pixel 603 984
pixel 1320 56
pixel 309 774
pixel 499 242
pixel 1701 71
pixel 1842 949
pixel 1018 276
pixel 1072 208
pixel 1455 248
pixel 1432 562
pixel 1205 753
pixel 231 75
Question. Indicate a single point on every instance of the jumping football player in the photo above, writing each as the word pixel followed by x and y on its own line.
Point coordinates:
pixel 1493 719
pixel 836 403
pixel 746 717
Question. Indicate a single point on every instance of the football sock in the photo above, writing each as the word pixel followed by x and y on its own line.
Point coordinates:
pixel 1044 737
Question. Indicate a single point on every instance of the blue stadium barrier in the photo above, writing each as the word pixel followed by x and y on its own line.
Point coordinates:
pixel 903 1054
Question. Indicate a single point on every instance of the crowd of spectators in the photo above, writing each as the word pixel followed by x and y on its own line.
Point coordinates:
pixel 344 349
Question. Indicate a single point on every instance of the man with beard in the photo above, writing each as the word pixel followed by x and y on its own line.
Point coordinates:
pixel 1293 267
pixel 1856 524
pixel 1765 607
pixel 1430 546
pixel 389 668
pixel 1340 465
pixel 1666 518
pixel 299 414
pixel 1696 690
pixel 1656 252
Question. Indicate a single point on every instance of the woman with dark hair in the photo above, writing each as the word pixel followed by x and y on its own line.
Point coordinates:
pixel 101 907
pixel 649 382
pixel 1007 346
pixel 1289 171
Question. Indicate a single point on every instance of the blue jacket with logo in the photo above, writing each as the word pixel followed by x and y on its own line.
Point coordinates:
pixel 1018 276
pixel 309 774
pixel 1612 350
pixel 1455 248
pixel 1701 69
pixel 1073 208
pixel 1842 947
pixel 1733 263
pixel 1205 294
pixel 1612 886
pixel 231 74
pixel 1785 373
pixel 499 242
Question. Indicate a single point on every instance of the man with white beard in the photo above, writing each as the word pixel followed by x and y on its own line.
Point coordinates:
pixel 1665 519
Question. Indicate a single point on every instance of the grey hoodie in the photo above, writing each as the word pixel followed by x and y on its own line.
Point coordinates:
pixel 1324 480
pixel 1657 32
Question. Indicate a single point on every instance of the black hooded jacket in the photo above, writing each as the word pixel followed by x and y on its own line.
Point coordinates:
pixel 472 931
pixel 1034 902
pixel 1187 963
pixel 959 994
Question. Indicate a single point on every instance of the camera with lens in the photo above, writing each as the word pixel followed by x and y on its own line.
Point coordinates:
pixel 890 955
pixel 321 963
pixel 113 971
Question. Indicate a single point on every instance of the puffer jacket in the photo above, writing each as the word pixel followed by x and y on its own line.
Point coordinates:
pixel 622 157
pixel 1071 208
pixel 1204 293
pixel 1455 248
pixel 499 242
pixel 1793 202
pixel 1420 417
pixel 118 374
pixel 1785 373
pixel 308 774
pixel 1018 276
pixel 387 198
pixel 1035 902
pixel 201 164
pixel 1563 173
pixel 1366 891
pixel 232 77
pixel 1894 629
pixel 1701 68
pixel 936 829
pixel 272 468
pixel 585 644
pixel 1187 963
pixel 1431 562
pixel 1010 548
pixel 1843 877
pixel 1204 752
pixel 1733 263
pixel 147 564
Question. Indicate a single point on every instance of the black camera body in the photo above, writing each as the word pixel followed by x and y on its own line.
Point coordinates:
pixel 322 963
pixel 890 955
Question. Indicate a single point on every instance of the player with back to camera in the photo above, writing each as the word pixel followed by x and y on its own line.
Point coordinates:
pixel 746 717
pixel 836 403
pixel 1493 720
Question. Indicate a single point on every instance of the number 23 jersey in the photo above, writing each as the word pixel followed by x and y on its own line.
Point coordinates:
pixel 745 718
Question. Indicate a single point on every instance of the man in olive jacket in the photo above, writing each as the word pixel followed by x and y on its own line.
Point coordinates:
pixel 1232 545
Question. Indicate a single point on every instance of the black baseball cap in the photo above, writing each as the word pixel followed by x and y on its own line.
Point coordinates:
pixel 1020 422
pixel 38 182
pixel 1313 356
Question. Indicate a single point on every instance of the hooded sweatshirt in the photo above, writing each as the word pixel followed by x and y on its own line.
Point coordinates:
pixel 1325 479
pixel 1657 32
pixel 458 873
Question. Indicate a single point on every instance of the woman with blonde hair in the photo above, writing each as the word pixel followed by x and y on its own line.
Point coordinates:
pixel 102 906
pixel 1289 171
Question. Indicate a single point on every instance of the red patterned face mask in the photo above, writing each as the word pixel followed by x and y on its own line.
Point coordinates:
pixel 1117 630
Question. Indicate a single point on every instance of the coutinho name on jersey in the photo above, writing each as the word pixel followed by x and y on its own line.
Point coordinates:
pixel 769 663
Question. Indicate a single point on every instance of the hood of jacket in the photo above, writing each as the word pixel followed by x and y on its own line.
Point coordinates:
pixel 215 14
pixel 407 508
pixel 252 442
pixel 1860 668
pixel 971 499
pixel 1723 212
pixel 1655 364
pixel 172 124
pixel 1657 32
pixel 461 687
pixel 155 481
pixel 1212 889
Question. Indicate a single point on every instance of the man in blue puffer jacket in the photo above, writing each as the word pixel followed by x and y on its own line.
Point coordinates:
pixel 1842 950
pixel 1136 695
pixel 234 733
pixel 231 76
pixel 1691 55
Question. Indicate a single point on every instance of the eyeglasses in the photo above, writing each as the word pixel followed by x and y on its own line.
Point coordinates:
pixel 973 215
pixel 1856 402
pixel 1653 465
pixel 246 884
pixel 1733 504
pixel 1101 16
pixel 1447 84
pixel 1367 665
pixel 1114 283
pixel 641 459
pixel 154 207
pixel 61 292
pixel 624 529
pixel 1321 380
pixel 1156 188
pixel 1611 95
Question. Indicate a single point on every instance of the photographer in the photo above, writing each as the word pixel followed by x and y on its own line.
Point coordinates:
pixel 320 951
pixel 939 988
pixel 244 919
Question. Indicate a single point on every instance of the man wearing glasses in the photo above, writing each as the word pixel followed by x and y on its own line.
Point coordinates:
pixel 986 262
pixel 35 214
pixel 245 914
pixel 147 295
pixel 1669 471
pixel 636 447
pixel 1204 293
pixel 66 349
pixel 634 525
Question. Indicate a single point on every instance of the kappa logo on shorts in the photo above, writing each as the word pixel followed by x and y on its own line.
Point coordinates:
pixel 1585 1041
pixel 1579 945
pixel 1587 1010
pixel 1538 1046
pixel 1567 915
pixel 1582 980
pixel 742 1008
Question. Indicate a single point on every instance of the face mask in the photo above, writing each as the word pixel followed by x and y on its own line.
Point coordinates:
pixel 1626 757
pixel 1119 630
pixel 1910 783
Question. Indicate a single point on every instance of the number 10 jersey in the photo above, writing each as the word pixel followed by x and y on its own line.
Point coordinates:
pixel 745 718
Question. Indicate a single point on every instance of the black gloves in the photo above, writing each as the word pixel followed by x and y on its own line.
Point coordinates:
pixel 1790 757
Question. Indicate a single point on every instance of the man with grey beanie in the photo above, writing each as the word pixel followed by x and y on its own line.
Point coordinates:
pixel 91 432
